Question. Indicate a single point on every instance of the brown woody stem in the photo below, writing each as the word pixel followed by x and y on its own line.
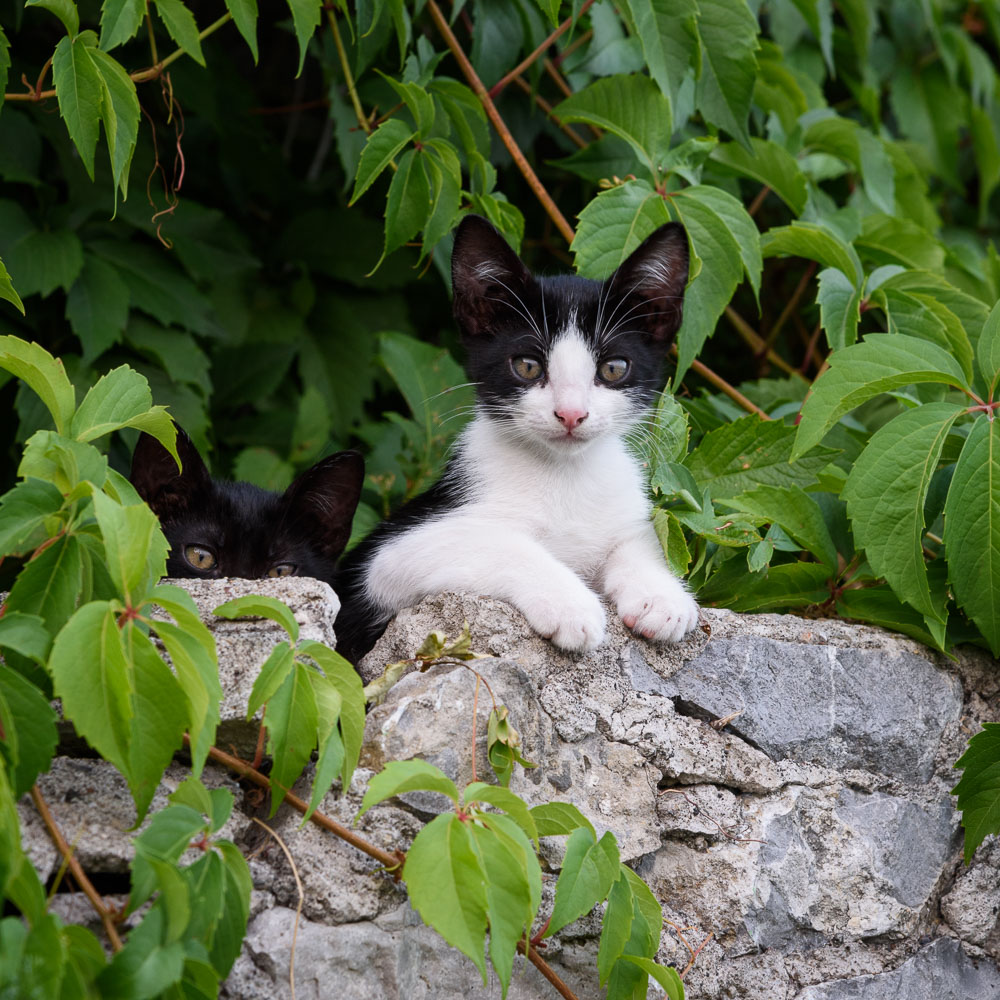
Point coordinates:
pixel 498 123
pixel 567 130
pixel 720 383
pixel 750 335
pixel 86 886
pixel 547 971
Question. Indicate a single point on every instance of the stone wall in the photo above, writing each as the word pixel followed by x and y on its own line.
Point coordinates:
pixel 813 835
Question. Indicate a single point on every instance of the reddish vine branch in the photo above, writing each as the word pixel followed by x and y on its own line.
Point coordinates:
pixel 86 886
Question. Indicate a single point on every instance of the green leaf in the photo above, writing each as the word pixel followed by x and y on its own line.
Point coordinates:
pixel 352 696
pixel 671 537
pixel 24 513
pixel 245 18
pixel 50 584
pixel 120 114
pixel 115 401
pixel 401 776
pixel 4 70
pixel 446 195
pixel 419 103
pixel 888 239
pixel 79 91
pixel 408 205
pixel 648 906
pixel 988 350
pixel 167 836
pixel 382 147
pixel 768 163
pixel 25 635
pixel 589 869
pixel 667 977
pixel 553 819
pixel 880 606
pixel 291 718
pixel 631 107
pixel 795 511
pixel 305 17
pixel 97 307
pixel 814 242
pixel 264 468
pixel 273 672
pixel 881 363
pixel 839 307
pixel 446 884
pixel 846 139
pixel 330 761
pixel 886 491
pixel 65 10
pixel 29 729
pixel 257 606
pixel 752 452
pixel 235 910
pixel 668 33
pixel 728 33
pixel 616 927
pixel 94 687
pixel 503 799
pixel 120 20
pixel 789 585
pixel 45 260
pixel 6 288
pixel 42 373
pixel 136 547
pixel 972 529
pixel 182 28
pixel 62 461
pixel 978 790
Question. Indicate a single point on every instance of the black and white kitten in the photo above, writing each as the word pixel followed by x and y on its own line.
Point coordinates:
pixel 221 529
pixel 542 504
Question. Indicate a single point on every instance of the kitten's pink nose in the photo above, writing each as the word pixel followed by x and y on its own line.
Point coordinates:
pixel 570 418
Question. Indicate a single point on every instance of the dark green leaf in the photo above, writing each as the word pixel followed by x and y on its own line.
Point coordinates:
pixel 120 114
pixel 97 307
pixel 245 18
pixel 65 10
pixel 839 307
pixel 305 17
pixel 408 205
pixel 814 242
pixel 768 163
pixel 979 789
pixel 79 92
pixel 120 20
pixel 668 33
pixel 24 513
pixel 50 584
pixel 182 28
pixel 382 147
pixel 988 349
pixel 29 728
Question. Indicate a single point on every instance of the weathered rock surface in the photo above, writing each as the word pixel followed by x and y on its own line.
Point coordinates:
pixel 813 835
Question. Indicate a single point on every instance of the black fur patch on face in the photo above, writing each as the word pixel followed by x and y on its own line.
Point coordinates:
pixel 248 531
pixel 504 312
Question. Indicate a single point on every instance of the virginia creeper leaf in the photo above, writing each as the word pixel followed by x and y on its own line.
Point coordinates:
pixel 978 790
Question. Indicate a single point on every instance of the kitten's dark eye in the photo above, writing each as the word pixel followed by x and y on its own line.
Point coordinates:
pixel 199 557
pixel 282 569
pixel 613 370
pixel 530 369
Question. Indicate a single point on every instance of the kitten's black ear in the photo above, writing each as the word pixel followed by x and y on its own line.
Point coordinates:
pixel 160 483
pixel 656 272
pixel 324 499
pixel 487 277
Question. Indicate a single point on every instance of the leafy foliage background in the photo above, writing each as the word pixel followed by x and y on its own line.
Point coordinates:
pixel 278 273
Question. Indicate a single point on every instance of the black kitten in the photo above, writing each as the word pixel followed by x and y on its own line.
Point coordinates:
pixel 220 529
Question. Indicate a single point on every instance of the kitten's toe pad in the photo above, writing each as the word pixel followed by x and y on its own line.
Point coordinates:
pixel 577 628
pixel 663 617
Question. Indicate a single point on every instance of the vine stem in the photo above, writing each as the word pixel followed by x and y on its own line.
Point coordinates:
pixel 69 858
pixel 498 123
pixel 352 90
pixel 497 87
pixel 720 383
pixel 547 971
pixel 140 76
pixel 567 130
pixel 790 306
pixel 756 341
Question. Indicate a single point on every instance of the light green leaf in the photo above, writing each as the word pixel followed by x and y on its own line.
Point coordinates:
pixel 972 529
pixel 6 287
pixel 839 307
pixel 616 927
pixel 330 761
pixel 382 147
pixel 888 239
pixel 115 401
pixel 95 688
pixel 768 163
pixel 814 242
pixel 417 100
pixel 273 672
pixel 629 106
pixel 49 585
pixel 401 776
pixel 257 606
pixel 120 114
pixel 29 728
pixel 978 790
pixel 671 537
pixel 971 311
pixel 728 32
pixel 62 461
pixel 880 363
pixel 120 20
pixel 79 92
pixel 291 717
pixel 65 10
pixel 136 547
pixel 446 885
pixel 24 511
pixel 752 452
pixel 589 869
pixel 245 18
pixel 795 511
pixel 553 819
pixel 181 27
pixel 503 799
pixel 25 634
pixel 667 977
pixel 352 696
pixel 789 585
pixel 305 17
pixel 988 350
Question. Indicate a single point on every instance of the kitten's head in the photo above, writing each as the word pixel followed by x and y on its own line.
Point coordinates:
pixel 564 361
pixel 220 529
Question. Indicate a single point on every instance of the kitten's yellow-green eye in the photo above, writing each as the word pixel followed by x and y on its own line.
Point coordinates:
pixel 282 569
pixel 613 370
pixel 199 557
pixel 530 369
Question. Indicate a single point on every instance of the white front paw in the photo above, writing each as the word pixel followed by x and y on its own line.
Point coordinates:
pixel 665 616
pixel 576 625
